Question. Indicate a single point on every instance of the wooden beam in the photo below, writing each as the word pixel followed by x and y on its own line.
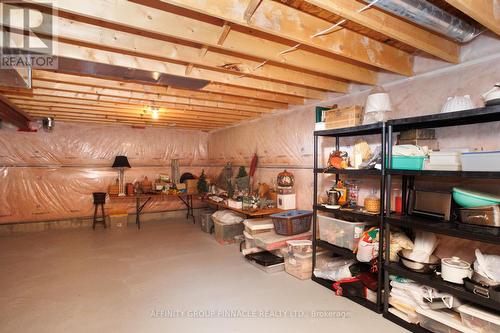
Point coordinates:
pixel 192 95
pixel 251 8
pixel 115 58
pixel 392 27
pixel 12 114
pixel 226 89
pixel 115 121
pixel 142 20
pixel 79 96
pixel 189 69
pixel 62 86
pixel 43 101
pixel 486 12
pixel 81 33
pixel 294 25
pixel 109 115
pixel 226 28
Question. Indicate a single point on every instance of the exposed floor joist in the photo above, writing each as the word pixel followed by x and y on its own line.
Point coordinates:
pixel 102 38
pixel 393 27
pixel 115 58
pixel 143 20
pixel 288 23
pixel 486 12
pixel 210 99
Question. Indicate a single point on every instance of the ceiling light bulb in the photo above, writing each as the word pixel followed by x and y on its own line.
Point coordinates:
pixel 154 114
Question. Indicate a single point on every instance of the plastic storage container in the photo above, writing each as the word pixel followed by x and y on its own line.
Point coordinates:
pixel 408 162
pixel 479 320
pixel 249 240
pixel 258 226
pixel 225 233
pixel 481 161
pixel 341 233
pixel 299 264
pixel 206 222
pixel 292 222
pixel 445 157
pixel 266 261
pixel 442 321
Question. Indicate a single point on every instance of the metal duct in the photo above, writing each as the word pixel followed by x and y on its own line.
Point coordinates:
pixel 429 16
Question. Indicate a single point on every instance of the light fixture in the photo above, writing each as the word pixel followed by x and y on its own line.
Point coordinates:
pixel 154 110
pixel 120 163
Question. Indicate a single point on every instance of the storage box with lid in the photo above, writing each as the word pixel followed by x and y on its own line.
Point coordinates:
pixel 226 233
pixel 442 321
pixel 227 226
pixel 481 161
pixel 341 233
pixel 479 320
pixel 298 258
pixel 249 240
pixel 258 226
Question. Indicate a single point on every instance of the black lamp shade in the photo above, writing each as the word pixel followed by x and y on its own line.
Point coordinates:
pixel 121 162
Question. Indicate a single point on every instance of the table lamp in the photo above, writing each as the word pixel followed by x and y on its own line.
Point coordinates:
pixel 121 162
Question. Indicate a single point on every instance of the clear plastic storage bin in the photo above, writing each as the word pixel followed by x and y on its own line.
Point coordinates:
pixel 225 233
pixel 258 226
pixel 442 321
pixel 479 319
pixel 300 265
pixel 341 233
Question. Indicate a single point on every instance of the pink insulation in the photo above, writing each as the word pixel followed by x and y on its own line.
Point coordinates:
pixel 50 176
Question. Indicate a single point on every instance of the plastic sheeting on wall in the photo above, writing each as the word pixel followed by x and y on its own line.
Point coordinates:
pixel 51 176
pixel 97 145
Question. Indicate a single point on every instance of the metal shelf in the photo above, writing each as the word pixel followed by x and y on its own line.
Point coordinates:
pixel 374 172
pixel 361 301
pixel 438 173
pixel 439 227
pixel 409 326
pixel 348 214
pixel 346 253
pixel 466 117
pixel 441 285
pixel 352 131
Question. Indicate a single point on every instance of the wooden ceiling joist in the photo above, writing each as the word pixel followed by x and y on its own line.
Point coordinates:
pixel 11 113
pixel 136 102
pixel 43 101
pixel 161 117
pixel 288 23
pixel 116 58
pixel 115 121
pixel 486 12
pixel 143 20
pixel 155 89
pixel 392 27
pixel 102 38
pixel 39 84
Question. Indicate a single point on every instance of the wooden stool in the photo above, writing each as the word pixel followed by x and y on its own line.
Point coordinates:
pixel 99 200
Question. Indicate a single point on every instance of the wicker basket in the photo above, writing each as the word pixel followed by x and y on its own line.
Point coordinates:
pixel 292 222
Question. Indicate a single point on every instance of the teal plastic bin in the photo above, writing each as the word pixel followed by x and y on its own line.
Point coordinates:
pixel 408 162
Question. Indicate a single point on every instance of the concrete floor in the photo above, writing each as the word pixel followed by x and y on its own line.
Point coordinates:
pixel 133 281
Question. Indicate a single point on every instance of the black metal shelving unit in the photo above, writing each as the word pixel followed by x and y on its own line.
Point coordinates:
pixel 350 215
pixel 468 117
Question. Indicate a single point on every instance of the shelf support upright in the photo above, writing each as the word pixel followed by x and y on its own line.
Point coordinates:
pixel 387 229
pixel 315 199
pixel 380 261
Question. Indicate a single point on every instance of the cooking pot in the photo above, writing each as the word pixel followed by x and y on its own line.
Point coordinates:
pixel 492 97
pixel 455 270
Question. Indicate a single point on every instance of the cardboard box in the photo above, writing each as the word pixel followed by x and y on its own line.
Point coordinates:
pixel 344 117
pixel 191 186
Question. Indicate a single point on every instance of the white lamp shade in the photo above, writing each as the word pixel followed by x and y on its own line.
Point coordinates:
pixel 378 102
